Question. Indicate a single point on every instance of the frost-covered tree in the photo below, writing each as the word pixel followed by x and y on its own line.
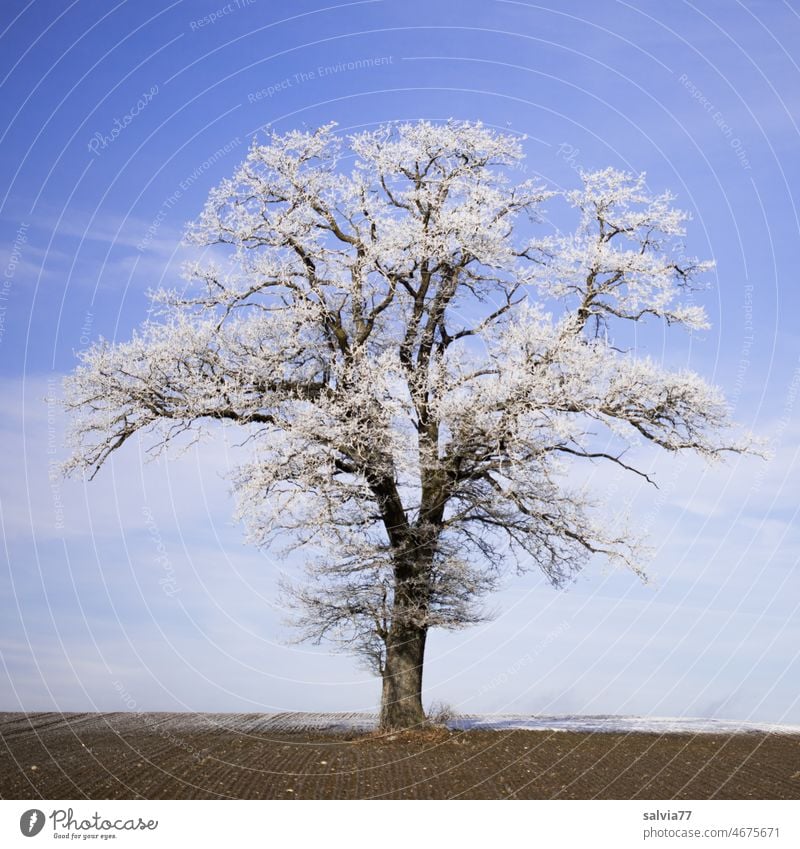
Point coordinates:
pixel 379 328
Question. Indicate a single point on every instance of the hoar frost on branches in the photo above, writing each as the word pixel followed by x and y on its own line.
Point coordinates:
pixel 380 332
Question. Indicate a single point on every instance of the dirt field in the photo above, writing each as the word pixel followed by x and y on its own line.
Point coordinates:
pixel 155 756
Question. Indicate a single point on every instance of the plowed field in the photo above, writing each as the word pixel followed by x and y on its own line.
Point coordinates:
pixel 209 756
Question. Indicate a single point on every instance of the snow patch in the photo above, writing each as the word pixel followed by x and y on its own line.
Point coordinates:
pixel 14 724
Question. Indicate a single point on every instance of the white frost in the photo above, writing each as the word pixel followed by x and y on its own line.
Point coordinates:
pixel 413 409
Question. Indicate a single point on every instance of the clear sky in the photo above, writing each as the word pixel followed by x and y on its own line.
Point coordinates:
pixel 137 590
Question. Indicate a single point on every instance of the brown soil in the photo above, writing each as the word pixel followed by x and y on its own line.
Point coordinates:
pixel 55 756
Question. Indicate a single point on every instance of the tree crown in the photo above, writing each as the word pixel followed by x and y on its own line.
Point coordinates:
pixel 380 327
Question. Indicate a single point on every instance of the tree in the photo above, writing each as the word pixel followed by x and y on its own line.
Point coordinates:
pixel 380 332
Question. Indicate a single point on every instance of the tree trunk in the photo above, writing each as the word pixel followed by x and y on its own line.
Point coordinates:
pixel 401 699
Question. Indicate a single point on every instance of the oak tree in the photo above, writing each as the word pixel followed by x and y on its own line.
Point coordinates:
pixel 420 364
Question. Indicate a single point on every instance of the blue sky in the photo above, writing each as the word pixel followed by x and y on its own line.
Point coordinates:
pixel 118 119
